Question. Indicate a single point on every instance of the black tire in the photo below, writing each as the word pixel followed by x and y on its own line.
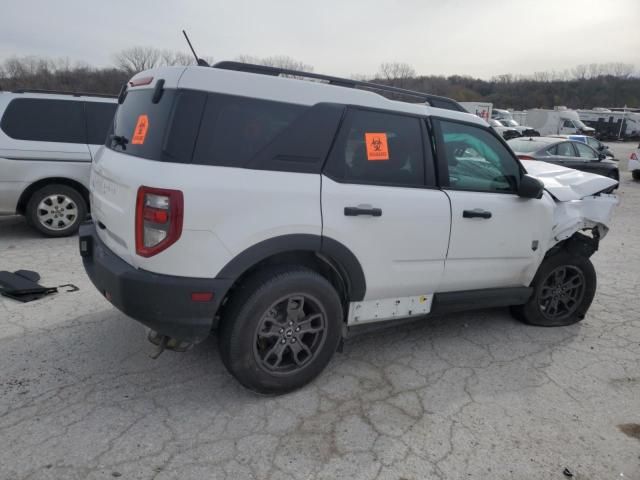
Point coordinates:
pixel 56 210
pixel 262 331
pixel 566 279
pixel 635 174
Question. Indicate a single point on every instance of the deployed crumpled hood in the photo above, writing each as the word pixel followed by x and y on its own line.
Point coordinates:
pixel 567 183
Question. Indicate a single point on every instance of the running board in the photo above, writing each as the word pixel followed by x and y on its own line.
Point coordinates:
pixel 476 299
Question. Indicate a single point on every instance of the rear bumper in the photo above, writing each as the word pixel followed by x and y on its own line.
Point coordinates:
pixel 161 302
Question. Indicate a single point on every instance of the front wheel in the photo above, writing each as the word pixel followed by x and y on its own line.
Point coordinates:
pixel 563 290
pixel 635 174
pixel 280 329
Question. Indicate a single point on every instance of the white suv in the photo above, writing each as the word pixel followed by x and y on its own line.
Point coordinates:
pixel 47 141
pixel 288 213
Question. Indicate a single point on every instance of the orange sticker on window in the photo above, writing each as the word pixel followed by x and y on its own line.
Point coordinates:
pixel 377 148
pixel 140 132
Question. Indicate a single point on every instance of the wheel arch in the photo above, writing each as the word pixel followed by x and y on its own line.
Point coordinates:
pixel 330 258
pixel 35 186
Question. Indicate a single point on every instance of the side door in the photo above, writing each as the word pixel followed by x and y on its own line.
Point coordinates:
pixel 379 199
pixel 497 237
pixel 567 127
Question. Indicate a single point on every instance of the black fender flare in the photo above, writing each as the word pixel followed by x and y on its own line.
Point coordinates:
pixel 340 257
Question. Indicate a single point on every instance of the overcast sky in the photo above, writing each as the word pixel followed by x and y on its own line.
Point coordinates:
pixel 342 37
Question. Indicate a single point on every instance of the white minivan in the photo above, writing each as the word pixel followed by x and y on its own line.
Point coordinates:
pixel 47 142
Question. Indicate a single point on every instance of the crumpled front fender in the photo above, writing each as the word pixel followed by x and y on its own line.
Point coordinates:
pixel 585 214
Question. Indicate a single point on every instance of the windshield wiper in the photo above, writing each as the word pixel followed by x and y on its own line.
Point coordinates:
pixel 119 140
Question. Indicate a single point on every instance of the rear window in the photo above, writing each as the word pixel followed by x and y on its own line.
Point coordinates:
pixel 524 146
pixel 45 120
pixel 99 119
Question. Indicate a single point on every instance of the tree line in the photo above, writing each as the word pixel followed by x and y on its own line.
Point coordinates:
pixel 584 86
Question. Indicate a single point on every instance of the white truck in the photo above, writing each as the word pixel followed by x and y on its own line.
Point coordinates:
pixel 481 109
pixel 559 121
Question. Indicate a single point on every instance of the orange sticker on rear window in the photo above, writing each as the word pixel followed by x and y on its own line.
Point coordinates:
pixel 377 148
pixel 140 132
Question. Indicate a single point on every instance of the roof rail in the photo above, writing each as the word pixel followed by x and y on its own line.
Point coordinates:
pixel 56 92
pixel 433 100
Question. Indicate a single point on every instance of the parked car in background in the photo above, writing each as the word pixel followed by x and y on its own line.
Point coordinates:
pixel 634 164
pixel 505 132
pixel 506 118
pixel 559 121
pixel 565 152
pixel 591 141
pixel 47 141
pixel 482 109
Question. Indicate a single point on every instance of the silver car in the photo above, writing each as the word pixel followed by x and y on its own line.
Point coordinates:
pixel 47 142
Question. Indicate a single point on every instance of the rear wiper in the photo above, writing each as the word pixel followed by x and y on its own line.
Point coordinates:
pixel 119 140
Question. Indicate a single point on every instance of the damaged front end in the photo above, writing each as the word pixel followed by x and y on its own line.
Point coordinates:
pixel 583 210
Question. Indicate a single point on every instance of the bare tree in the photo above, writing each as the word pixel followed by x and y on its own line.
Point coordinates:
pixel 579 72
pixel 135 59
pixel 278 61
pixel 396 73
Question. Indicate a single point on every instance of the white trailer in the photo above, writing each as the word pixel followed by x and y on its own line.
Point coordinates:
pixel 559 121
pixel 612 124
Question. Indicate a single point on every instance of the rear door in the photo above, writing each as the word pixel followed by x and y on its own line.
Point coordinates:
pixel 379 200
pixel 496 236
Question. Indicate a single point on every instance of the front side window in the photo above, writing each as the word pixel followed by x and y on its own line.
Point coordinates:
pixel 586 152
pixel 476 160
pixel 378 148
pixel 593 143
pixel 45 120
pixel 568 124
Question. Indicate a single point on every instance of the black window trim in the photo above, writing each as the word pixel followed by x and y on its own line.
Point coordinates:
pixel 429 181
pixel 441 160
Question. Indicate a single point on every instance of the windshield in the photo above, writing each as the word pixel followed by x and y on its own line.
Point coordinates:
pixel 579 124
pixel 495 123
pixel 524 146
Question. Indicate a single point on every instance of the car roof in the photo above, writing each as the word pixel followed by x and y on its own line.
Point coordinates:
pixel 54 95
pixel 289 90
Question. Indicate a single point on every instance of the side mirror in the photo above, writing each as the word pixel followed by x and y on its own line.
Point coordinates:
pixel 530 187
pixel 602 156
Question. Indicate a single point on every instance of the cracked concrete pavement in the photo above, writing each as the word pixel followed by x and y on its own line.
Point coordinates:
pixel 475 395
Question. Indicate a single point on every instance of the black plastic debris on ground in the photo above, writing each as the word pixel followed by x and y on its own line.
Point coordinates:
pixel 567 473
pixel 22 285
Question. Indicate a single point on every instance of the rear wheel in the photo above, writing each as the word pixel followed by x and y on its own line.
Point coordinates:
pixel 635 174
pixel 280 329
pixel 563 290
pixel 56 210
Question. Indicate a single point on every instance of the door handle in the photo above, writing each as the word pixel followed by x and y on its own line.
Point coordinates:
pixel 476 213
pixel 354 211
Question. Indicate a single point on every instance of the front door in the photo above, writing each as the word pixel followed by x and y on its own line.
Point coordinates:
pixel 496 236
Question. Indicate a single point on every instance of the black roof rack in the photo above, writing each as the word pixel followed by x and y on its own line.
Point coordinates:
pixel 433 100
pixel 55 92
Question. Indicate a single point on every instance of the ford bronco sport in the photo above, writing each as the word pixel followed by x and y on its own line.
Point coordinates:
pixel 286 213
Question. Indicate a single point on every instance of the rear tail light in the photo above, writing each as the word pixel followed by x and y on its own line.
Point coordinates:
pixel 526 157
pixel 158 219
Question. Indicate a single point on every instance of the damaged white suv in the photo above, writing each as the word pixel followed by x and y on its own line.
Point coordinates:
pixel 287 213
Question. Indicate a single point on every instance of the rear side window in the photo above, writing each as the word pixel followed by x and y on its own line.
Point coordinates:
pixel 99 119
pixel 45 120
pixel 378 148
pixel 234 128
